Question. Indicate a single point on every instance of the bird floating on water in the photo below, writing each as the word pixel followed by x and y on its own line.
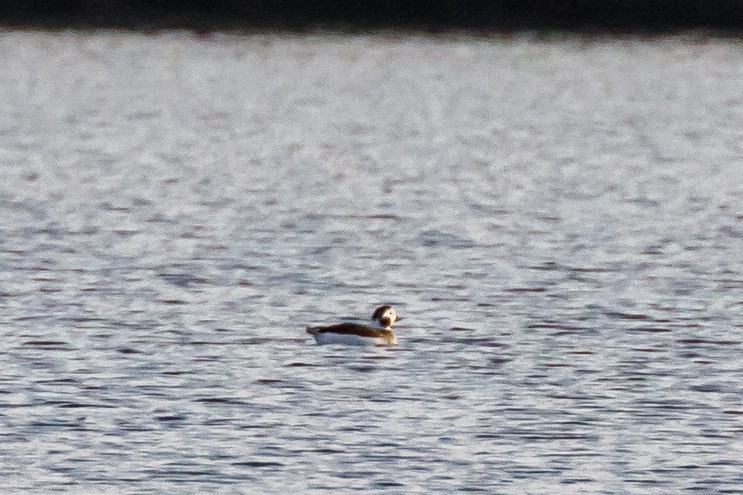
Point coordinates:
pixel 360 334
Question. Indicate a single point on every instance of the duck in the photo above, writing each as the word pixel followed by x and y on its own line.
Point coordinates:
pixel 379 333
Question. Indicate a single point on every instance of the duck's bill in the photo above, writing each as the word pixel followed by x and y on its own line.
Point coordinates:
pixel 399 318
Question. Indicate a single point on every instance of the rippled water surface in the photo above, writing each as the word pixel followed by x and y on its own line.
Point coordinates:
pixel 559 222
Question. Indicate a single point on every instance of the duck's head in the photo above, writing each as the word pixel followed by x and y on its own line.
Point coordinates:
pixel 385 316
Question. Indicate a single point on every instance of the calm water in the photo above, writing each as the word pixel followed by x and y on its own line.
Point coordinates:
pixel 560 223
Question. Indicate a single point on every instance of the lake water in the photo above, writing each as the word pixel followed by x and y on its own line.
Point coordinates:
pixel 560 223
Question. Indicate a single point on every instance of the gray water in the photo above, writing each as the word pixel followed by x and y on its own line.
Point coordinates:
pixel 559 222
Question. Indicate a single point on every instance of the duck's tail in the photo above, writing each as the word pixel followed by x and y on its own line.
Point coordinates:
pixel 313 330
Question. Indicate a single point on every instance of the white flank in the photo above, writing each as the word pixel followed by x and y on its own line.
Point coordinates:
pixel 340 338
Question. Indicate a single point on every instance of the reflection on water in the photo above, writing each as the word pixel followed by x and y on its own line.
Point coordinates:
pixel 560 223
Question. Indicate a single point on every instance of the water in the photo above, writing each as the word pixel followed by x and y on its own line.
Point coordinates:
pixel 560 223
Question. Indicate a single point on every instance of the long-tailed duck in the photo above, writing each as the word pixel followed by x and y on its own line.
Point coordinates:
pixel 358 334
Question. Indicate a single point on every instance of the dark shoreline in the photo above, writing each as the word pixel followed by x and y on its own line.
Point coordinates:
pixel 687 36
pixel 724 17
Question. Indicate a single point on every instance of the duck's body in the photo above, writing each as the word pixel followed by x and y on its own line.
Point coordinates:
pixel 352 334
pixel 358 334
